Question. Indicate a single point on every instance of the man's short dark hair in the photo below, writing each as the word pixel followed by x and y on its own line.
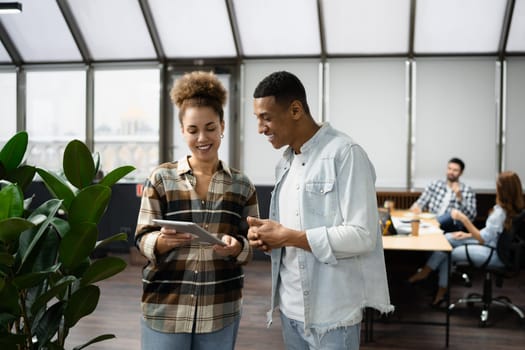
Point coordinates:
pixel 285 87
pixel 458 162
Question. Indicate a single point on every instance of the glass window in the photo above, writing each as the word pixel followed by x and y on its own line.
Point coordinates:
pixel 4 56
pixel 451 26
pixel 40 33
pixel 56 114
pixel 516 41
pixel 7 106
pixel 366 27
pixel 278 28
pixel 174 17
pixel 113 29
pixel 127 119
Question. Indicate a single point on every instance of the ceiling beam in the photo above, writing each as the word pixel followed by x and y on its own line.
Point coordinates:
pixel 152 29
pixel 412 29
pixel 322 32
pixel 72 24
pixel 505 28
pixel 235 29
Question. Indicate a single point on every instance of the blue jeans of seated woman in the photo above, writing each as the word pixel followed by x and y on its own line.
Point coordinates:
pixel 478 255
pixel 344 338
pixel 223 339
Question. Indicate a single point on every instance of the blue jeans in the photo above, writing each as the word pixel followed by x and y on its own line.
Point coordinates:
pixel 223 339
pixel 447 224
pixel 478 254
pixel 344 338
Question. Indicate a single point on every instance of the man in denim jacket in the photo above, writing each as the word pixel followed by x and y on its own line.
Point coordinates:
pixel 323 233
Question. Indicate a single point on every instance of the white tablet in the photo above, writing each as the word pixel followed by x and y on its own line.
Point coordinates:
pixel 190 227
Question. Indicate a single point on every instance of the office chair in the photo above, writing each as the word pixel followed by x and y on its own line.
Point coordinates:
pixel 511 250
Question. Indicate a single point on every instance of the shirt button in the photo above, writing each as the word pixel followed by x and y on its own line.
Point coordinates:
pixel 196 272
pixel 297 187
pixel 322 191
pixel 306 292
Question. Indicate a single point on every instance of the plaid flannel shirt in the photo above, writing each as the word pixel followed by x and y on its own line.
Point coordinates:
pixel 434 194
pixel 191 286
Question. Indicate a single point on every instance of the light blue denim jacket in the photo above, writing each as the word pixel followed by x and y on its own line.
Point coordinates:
pixel 345 271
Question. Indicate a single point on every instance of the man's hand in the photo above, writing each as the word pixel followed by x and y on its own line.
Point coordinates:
pixel 267 234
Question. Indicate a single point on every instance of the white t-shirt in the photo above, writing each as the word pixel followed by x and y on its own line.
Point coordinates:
pixel 446 202
pixel 290 291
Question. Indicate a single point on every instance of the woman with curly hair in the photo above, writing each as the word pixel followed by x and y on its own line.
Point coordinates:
pixel 509 203
pixel 192 292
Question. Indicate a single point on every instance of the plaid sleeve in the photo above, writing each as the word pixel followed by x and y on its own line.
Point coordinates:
pixel 468 203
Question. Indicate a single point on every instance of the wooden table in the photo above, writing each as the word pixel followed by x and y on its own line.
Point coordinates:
pixel 431 238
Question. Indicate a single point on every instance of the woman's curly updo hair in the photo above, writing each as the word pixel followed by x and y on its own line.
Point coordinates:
pixel 199 89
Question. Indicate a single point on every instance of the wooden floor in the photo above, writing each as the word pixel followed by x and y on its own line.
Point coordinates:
pixel 118 313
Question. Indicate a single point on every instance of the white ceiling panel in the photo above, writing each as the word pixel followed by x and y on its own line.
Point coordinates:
pixel 278 28
pixel 40 33
pixel 516 40
pixel 193 28
pixel 452 26
pixel 366 27
pixel 113 30
pixel 4 56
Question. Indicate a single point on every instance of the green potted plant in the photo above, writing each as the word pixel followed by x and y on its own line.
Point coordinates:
pixel 47 278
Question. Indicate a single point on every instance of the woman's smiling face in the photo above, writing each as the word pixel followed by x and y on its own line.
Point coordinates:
pixel 202 130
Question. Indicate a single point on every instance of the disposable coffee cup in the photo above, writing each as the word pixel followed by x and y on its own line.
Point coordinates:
pixel 415 227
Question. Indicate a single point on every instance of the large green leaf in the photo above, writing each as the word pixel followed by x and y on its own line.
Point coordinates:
pixel 116 174
pixel 12 341
pixel 57 290
pixel 31 279
pixel 115 238
pixel 9 300
pixel 11 202
pixel 62 226
pixel 10 229
pixel 102 269
pixel 57 187
pixel 80 304
pixel 78 244
pixel 95 340
pixel 6 259
pixel 52 206
pixel 89 204
pixel 14 150
pixel 79 167
pixel 23 175
pixel 46 327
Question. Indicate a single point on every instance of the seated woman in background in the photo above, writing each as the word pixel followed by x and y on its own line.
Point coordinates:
pixel 509 202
